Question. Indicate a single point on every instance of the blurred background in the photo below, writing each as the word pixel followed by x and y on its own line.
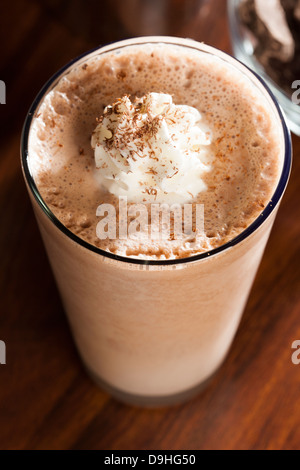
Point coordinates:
pixel 46 399
pixel 38 37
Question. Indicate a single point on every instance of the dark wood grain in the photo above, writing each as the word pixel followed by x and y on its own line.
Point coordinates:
pixel 46 399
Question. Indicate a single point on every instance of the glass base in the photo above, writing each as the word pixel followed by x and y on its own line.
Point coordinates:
pixel 150 401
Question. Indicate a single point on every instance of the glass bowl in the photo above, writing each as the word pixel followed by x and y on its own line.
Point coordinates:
pixel 245 44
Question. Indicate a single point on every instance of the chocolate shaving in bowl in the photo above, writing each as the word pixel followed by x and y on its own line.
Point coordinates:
pixel 274 27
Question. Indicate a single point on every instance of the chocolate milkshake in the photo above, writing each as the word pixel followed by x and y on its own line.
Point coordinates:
pixel 155 121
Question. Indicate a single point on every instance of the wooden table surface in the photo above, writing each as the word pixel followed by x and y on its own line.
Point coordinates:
pixel 46 399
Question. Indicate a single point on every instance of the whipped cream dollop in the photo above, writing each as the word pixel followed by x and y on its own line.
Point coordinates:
pixel 151 149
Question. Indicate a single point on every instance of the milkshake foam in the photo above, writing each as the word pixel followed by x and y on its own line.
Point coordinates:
pixel 240 160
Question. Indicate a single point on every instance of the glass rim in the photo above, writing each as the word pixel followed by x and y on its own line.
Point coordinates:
pixel 262 217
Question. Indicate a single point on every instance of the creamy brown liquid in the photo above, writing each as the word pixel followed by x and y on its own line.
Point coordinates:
pixel 245 149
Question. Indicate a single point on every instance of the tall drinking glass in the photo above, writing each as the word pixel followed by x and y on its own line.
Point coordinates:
pixel 153 332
